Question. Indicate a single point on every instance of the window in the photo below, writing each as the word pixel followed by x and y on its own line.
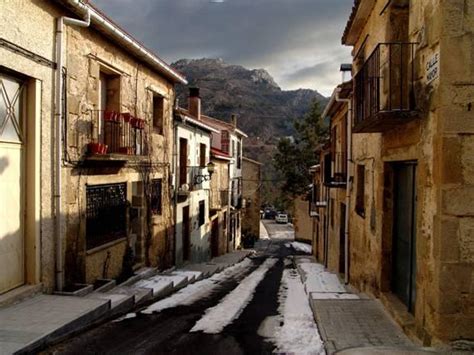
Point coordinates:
pixel 225 220
pixel 158 113
pixel 156 191
pixel 106 214
pixel 183 161
pixel 202 212
pixel 202 155
pixel 360 195
pixel 11 101
pixel 225 141
pixel 239 155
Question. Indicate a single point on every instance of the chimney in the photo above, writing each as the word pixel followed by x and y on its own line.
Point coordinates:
pixel 233 120
pixel 194 105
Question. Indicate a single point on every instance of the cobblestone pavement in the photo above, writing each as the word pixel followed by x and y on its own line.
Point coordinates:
pixel 356 323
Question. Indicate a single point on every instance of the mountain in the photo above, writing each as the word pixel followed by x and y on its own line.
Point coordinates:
pixel 264 110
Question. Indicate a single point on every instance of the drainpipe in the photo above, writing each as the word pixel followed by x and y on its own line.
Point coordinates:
pixel 61 21
pixel 176 181
pixel 348 184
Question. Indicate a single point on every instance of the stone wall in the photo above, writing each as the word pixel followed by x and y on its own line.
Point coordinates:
pixel 439 141
pixel 251 186
pixel 302 222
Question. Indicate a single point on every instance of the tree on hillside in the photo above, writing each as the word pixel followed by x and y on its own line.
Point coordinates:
pixel 296 155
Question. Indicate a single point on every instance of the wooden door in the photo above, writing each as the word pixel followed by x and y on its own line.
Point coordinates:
pixel 183 161
pixel 186 234
pixel 404 234
pixel 342 239
pixel 215 238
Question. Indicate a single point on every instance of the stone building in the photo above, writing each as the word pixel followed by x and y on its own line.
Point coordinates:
pixel 219 202
pixel 193 174
pixel 335 171
pixel 411 215
pixel 117 152
pixel 251 190
pixel 229 139
pixel 97 148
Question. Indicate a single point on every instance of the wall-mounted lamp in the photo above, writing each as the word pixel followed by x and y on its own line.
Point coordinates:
pixel 199 179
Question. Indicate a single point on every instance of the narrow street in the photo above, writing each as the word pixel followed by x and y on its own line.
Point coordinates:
pixel 242 310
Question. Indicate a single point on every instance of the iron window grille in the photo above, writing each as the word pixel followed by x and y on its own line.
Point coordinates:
pixel 106 214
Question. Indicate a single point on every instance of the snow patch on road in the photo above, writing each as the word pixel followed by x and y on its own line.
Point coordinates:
pixel 305 248
pixel 317 280
pixel 127 316
pixel 263 232
pixel 231 306
pixel 299 333
pixel 198 290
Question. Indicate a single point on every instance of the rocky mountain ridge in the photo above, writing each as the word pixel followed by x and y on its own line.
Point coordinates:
pixel 264 110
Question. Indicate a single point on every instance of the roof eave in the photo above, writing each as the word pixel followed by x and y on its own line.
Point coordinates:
pixel 117 34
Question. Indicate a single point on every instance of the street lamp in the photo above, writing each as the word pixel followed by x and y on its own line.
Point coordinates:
pixel 199 179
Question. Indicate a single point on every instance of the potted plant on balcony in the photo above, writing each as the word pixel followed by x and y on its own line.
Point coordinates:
pixel 97 148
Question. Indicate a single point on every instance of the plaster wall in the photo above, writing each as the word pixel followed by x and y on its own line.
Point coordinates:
pixel 200 235
pixel 36 37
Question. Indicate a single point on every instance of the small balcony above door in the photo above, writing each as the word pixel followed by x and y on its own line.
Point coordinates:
pixel 384 92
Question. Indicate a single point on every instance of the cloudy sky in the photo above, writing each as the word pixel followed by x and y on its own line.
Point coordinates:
pixel 296 41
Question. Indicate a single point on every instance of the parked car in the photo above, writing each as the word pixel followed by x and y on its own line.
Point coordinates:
pixel 270 214
pixel 281 218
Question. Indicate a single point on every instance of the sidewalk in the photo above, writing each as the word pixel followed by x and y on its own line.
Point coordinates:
pixel 349 321
pixel 42 319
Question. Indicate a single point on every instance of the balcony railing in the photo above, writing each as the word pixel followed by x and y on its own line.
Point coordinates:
pixel 116 133
pixel 316 200
pixel 339 168
pixel 384 88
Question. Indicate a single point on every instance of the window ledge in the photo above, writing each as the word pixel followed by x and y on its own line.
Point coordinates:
pixel 105 246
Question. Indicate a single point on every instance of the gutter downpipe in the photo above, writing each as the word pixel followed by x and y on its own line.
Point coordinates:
pixel 348 183
pixel 61 21
pixel 175 182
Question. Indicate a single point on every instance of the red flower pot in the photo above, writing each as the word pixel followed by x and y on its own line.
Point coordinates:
pixel 96 148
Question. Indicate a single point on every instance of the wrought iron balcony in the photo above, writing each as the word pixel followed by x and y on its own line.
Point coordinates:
pixel 339 168
pixel 116 133
pixel 335 169
pixel 384 94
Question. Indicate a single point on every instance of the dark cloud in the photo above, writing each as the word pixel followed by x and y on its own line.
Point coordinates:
pixel 286 37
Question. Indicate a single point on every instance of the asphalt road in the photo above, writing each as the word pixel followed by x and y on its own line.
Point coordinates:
pixel 168 332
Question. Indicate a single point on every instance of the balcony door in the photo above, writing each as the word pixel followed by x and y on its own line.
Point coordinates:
pixel 12 180
pixel 404 234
